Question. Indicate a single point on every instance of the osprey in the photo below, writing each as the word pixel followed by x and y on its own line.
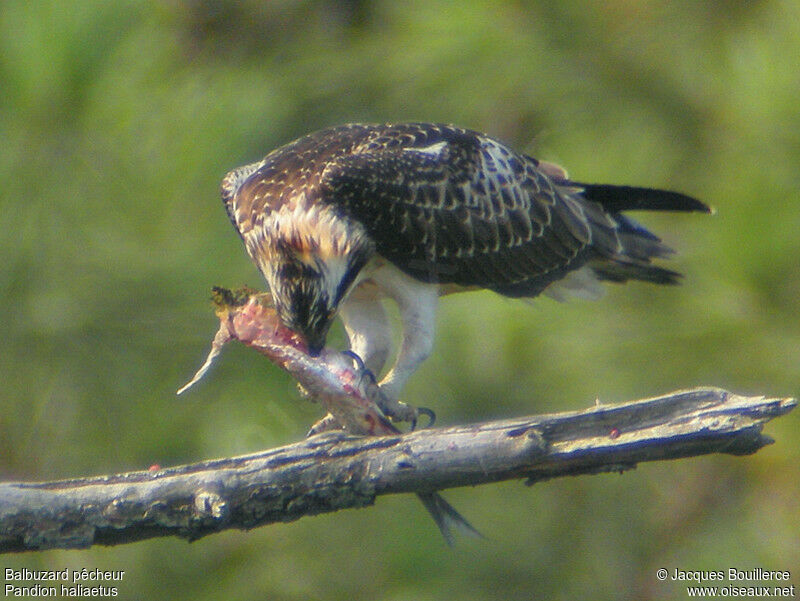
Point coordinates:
pixel 342 218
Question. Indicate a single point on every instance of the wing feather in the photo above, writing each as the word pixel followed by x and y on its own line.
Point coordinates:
pixel 459 209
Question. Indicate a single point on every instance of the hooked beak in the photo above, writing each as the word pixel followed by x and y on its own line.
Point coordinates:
pixel 315 340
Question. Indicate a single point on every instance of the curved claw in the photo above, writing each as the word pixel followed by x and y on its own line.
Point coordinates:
pixel 423 411
pixel 430 415
pixel 359 363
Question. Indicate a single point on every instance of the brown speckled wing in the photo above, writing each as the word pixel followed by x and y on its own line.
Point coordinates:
pixel 452 206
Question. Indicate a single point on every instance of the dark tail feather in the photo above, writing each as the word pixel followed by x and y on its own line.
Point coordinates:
pixel 628 198
pixel 622 271
pixel 638 245
pixel 446 517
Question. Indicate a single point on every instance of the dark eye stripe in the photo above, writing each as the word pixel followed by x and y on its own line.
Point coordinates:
pixel 357 261
pixel 345 284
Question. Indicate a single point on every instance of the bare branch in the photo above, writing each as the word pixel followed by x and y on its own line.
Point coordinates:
pixel 335 470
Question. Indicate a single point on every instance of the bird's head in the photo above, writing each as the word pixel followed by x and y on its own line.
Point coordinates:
pixel 308 286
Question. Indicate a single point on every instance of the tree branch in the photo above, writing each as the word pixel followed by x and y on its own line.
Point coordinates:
pixel 335 470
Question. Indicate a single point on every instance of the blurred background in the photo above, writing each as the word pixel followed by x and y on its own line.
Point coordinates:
pixel 118 121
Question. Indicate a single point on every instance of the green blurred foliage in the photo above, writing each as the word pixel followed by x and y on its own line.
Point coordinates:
pixel 118 120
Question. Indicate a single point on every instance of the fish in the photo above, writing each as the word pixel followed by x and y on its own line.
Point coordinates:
pixel 337 380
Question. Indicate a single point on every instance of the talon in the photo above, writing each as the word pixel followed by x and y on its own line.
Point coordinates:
pixel 359 363
pixel 427 412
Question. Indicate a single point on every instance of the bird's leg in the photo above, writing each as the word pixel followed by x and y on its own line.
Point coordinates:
pixel 368 331
pixel 417 305
pixel 370 335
